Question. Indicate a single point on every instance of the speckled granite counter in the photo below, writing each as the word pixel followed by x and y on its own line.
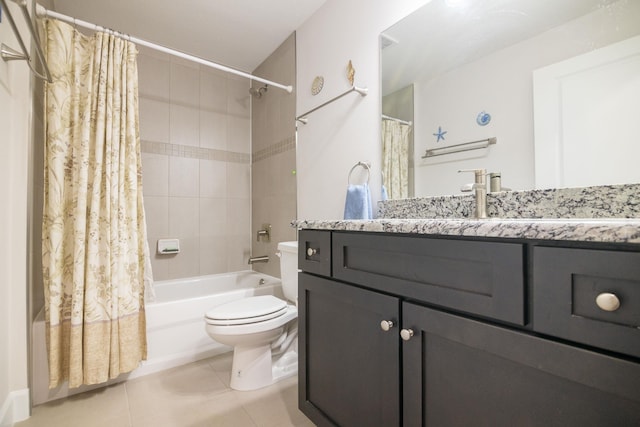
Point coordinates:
pixel 574 229
pixel 605 201
pixel 608 213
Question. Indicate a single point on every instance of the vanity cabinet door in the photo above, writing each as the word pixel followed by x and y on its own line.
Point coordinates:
pixel 461 372
pixel 349 370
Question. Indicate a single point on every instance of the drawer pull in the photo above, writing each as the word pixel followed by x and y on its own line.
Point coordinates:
pixel 406 334
pixel 386 325
pixel 608 301
pixel 311 252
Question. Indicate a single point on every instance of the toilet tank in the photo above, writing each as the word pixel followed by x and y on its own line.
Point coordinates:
pixel 289 269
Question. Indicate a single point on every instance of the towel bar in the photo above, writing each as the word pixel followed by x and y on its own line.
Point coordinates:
pixel 365 165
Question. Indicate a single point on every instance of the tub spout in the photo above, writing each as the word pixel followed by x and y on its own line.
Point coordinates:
pixel 254 259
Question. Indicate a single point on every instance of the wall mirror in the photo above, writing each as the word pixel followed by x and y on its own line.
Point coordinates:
pixel 556 85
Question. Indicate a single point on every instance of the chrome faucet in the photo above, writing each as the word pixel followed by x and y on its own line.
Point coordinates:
pixel 495 183
pixel 480 187
pixel 254 259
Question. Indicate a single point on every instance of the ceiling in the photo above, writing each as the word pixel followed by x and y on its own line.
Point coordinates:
pixel 456 32
pixel 237 33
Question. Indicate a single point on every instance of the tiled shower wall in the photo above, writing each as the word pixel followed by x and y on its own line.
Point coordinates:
pixel 195 137
pixel 273 134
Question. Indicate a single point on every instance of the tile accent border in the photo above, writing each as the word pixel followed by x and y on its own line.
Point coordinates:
pixel 177 150
pixel 277 148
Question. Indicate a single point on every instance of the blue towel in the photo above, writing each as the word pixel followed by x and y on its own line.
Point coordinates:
pixel 358 203
pixel 383 193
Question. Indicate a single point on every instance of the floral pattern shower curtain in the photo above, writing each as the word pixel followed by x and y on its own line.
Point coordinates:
pixel 95 255
pixel 395 158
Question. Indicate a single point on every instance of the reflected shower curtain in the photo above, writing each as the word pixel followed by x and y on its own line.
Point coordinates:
pixel 395 158
pixel 94 249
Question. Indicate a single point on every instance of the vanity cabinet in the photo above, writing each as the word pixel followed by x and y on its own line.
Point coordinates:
pixel 350 369
pixel 410 330
pixel 462 372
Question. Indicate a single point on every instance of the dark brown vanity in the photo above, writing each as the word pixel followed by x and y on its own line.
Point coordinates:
pixel 400 329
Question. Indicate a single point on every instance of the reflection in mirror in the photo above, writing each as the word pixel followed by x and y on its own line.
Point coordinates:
pixel 470 65
pixel 397 144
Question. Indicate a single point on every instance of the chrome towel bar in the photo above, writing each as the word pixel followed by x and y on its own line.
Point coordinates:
pixel 467 146
pixel 361 90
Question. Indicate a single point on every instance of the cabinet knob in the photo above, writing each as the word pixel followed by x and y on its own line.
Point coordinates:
pixel 406 334
pixel 608 301
pixel 386 325
pixel 311 252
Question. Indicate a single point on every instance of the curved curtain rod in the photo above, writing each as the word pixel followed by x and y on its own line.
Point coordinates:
pixel 41 12
pixel 9 54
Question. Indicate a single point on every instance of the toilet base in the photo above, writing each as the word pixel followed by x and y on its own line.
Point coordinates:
pixel 254 367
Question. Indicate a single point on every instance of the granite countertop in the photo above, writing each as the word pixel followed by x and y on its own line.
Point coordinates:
pixel 614 230
pixel 608 213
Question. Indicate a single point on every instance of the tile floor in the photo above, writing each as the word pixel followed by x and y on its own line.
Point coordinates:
pixel 192 395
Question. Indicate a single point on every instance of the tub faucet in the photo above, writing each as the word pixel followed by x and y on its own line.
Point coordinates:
pixel 254 259
pixel 480 187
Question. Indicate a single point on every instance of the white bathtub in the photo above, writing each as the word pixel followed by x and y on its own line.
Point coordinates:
pixel 175 319
pixel 175 325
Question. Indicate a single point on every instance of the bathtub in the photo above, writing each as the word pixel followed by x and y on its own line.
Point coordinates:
pixel 175 318
pixel 175 326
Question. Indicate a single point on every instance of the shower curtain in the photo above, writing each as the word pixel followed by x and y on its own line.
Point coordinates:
pixel 94 249
pixel 395 158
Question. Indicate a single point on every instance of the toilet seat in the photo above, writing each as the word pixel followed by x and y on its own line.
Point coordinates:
pixel 246 311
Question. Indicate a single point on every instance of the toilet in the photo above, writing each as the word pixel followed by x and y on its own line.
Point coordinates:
pixel 263 330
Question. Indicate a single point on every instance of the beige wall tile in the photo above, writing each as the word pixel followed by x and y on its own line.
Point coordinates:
pixel 239 134
pixel 239 180
pixel 213 91
pixel 213 217
pixel 155 174
pixel 159 263
pixel 156 81
pixel 185 83
pixel 154 120
pixel 184 213
pixel 238 99
pixel 214 256
pixel 156 210
pixel 213 130
pixel 184 174
pixel 184 126
pixel 187 262
pixel 213 179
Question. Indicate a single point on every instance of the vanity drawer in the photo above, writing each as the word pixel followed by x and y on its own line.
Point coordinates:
pixel 566 284
pixel 483 278
pixel 314 252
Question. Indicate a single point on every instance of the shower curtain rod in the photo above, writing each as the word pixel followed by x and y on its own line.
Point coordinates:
pixel 404 122
pixel 42 12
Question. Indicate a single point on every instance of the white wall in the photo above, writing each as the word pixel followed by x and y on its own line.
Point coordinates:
pixel 14 145
pixel 347 131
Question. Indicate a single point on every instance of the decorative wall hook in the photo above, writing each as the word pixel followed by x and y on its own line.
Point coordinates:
pixel 351 73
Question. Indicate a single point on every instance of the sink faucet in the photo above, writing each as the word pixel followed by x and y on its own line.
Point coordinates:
pixel 480 187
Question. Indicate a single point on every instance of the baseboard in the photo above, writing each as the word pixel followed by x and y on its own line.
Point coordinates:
pixel 15 408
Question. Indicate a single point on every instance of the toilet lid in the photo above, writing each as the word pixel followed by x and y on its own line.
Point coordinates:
pixel 247 310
